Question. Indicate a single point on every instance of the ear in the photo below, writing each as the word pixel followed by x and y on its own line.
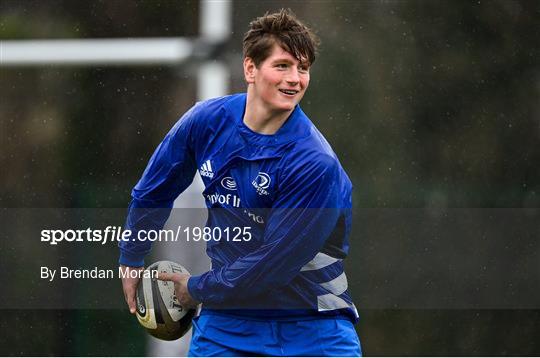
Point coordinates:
pixel 249 70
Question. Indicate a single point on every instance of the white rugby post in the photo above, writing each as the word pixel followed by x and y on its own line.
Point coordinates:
pixel 95 52
pixel 212 78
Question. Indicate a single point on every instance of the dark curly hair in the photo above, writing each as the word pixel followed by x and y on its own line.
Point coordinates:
pixel 286 30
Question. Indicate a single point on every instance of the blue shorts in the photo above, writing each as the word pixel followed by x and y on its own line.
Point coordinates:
pixel 217 335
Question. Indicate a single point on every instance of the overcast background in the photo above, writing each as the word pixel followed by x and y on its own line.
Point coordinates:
pixel 433 108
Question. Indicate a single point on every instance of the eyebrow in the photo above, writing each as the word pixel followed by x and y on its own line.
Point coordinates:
pixel 283 59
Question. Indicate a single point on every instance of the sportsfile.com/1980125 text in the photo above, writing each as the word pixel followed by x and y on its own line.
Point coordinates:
pixel 117 234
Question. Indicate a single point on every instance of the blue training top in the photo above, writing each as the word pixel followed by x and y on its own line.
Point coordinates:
pixel 288 187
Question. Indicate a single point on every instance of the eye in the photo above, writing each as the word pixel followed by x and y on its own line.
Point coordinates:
pixel 281 65
pixel 303 69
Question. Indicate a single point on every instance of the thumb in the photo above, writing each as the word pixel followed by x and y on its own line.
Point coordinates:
pixel 131 304
pixel 165 276
pixel 129 295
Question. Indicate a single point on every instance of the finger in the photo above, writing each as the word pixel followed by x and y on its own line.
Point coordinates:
pixel 130 299
pixel 165 276
pixel 132 307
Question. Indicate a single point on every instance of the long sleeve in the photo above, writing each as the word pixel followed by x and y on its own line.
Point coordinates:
pixel 301 220
pixel 169 172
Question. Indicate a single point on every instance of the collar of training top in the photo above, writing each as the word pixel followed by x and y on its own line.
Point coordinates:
pixel 295 127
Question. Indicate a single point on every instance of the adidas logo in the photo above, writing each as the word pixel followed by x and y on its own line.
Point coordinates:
pixel 206 170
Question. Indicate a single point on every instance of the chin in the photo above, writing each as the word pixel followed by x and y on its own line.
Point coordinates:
pixel 281 105
pixel 285 106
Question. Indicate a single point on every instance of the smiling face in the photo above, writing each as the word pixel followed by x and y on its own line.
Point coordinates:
pixel 279 82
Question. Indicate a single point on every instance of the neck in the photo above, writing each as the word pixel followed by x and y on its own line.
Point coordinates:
pixel 262 120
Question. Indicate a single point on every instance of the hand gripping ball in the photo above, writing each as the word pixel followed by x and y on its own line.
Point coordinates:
pixel 158 309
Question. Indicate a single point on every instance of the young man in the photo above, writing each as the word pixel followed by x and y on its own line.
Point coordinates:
pixel 267 168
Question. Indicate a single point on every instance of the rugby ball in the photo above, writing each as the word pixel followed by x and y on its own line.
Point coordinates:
pixel 158 309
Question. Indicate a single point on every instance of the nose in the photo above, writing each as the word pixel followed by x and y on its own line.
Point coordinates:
pixel 293 76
